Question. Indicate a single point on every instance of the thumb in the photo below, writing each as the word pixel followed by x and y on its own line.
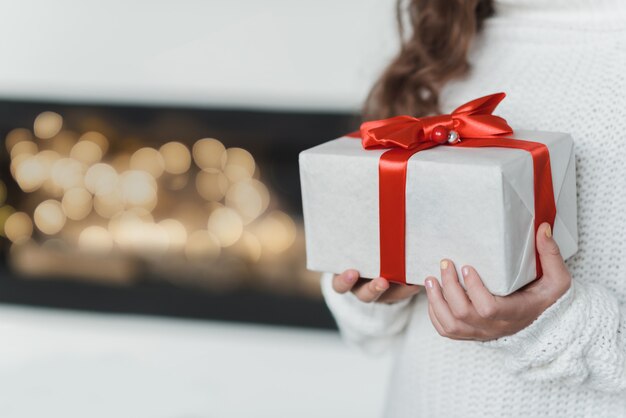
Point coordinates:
pixel 549 253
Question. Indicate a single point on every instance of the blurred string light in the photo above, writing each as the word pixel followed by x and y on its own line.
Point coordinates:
pixel 67 173
pixel 18 227
pixel 239 164
pixel 149 160
pixel 276 232
pixel 207 154
pixel 226 225
pixel 102 201
pixel 97 138
pixel 24 147
pixel 212 186
pixel 47 125
pixel 176 158
pixel 49 217
pixel 86 152
pixel 30 174
pixel 95 239
pixel 5 212
pixel 15 136
pixel 77 203
pixel 101 178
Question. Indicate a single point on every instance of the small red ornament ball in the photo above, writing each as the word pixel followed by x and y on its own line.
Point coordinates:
pixel 439 134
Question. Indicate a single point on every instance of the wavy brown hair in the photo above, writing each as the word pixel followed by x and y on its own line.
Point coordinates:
pixel 432 53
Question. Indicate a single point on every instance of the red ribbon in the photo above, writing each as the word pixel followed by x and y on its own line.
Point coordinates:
pixel 406 135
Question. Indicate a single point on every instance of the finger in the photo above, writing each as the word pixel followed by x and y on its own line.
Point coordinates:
pixel 435 321
pixel 452 327
pixel 345 281
pixel 398 292
pixel 549 253
pixel 487 305
pixel 455 295
pixel 372 290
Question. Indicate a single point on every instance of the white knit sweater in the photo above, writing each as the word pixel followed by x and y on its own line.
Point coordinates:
pixel 563 66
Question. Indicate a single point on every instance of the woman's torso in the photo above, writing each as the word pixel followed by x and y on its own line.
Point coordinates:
pixel 568 77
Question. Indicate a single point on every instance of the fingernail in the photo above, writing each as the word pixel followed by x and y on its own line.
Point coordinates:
pixel 429 283
pixel 465 271
pixel 379 287
pixel 444 264
pixel 350 277
pixel 549 232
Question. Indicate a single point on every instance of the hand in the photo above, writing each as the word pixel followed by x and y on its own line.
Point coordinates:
pixel 476 314
pixel 375 290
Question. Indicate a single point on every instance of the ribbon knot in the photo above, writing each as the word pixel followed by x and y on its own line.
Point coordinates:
pixel 474 119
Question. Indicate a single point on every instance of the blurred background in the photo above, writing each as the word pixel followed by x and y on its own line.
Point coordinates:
pixel 152 259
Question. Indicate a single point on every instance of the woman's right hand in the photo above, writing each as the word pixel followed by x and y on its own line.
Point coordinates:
pixel 374 290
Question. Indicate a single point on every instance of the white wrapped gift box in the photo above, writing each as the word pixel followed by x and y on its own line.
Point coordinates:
pixel 474 206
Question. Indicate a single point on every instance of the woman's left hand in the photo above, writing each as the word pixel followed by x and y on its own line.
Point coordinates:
pixel 476 314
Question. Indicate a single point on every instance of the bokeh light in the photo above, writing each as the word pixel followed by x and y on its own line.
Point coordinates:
pixel 139 189
pixel 95 239
pixel 17 135
pixel 47 159
pixel 249 198
pixel 86 152
pixel 5 212
pixel 30 174
pixel 140 201
pixel 207 154
pixel 101 178
pixel 18 227
pixel 77 203
pixel 67 173
pixel 97 138
pixel 108 203
pixel 149 160
pixel 276 232
pixel 47 125
pixel 49 217
pixel 176 157
pixel 226 225
pixel 238 164
pixel 24 147
pixel 212 186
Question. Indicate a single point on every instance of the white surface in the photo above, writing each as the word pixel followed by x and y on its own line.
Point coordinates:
pixel 321 54
pixel 466 204
pixel 77 365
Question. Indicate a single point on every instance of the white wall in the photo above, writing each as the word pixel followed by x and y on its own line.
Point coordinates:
pixel 58 364
pixel 307 54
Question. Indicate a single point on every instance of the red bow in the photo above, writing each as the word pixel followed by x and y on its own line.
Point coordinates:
pixel 471 120
pixel 406 135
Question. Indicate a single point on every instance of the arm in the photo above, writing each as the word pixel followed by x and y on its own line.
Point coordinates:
pixel 555 329
pixel 580 340
pixel 364 317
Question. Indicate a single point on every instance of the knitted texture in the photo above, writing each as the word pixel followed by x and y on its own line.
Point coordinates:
pixel 566 74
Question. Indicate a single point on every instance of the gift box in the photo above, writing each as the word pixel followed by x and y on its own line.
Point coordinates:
pixel 475 205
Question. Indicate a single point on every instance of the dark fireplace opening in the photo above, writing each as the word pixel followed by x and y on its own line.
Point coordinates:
pixel 187 212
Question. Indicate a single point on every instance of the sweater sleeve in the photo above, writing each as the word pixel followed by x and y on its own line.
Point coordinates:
pixel 580 340
pixel 371 326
